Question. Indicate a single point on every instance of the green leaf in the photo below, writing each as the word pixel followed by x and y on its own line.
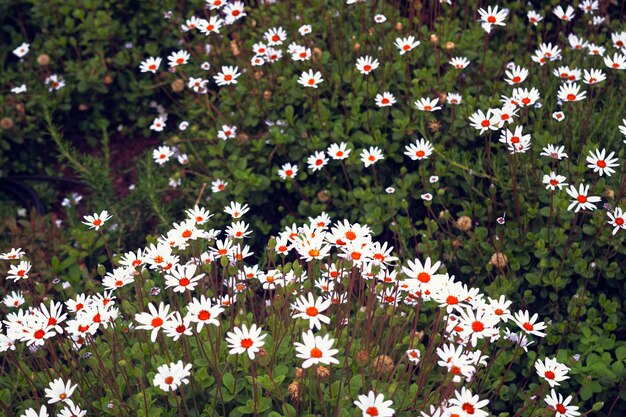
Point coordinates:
pixel 229 382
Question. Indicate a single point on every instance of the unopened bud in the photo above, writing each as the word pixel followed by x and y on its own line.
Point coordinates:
pixel 464 223
pixel 178 85
pixel 6 123
pixel 499 260
pixel 43 60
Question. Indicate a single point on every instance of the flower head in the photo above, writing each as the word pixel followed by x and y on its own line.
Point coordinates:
pixel 316 350
pixel 374 405
pixel 97 220
pixel 243 340
pixel 581 200
pixel 310 79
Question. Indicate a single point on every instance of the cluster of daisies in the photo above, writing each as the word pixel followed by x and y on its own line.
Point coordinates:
pixel 495 16
pixel 52 81
pixel 504 119
pixel 472 320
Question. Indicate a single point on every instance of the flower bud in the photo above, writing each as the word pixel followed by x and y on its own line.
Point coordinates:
pixel 6 123
pixel 234 48
pixel 434 126
pixel 43 60
pixel 499 260
pixel 317 54
pixel 362 357
pixel 322 372
pixel 383 364
pixel 294 389
pixel 323 196
pixel 464 223
pixel 178 85
pixel 243 137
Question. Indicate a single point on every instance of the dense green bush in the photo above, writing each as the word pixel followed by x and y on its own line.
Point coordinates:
pixel 92 46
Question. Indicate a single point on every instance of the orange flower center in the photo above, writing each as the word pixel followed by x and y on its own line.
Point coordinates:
pixel 246 343
pixel 478 326
pixel 468 408
pixel 316 353
pixel 312 311
pixel 204 315
pixel 423 277
pixel 371 411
